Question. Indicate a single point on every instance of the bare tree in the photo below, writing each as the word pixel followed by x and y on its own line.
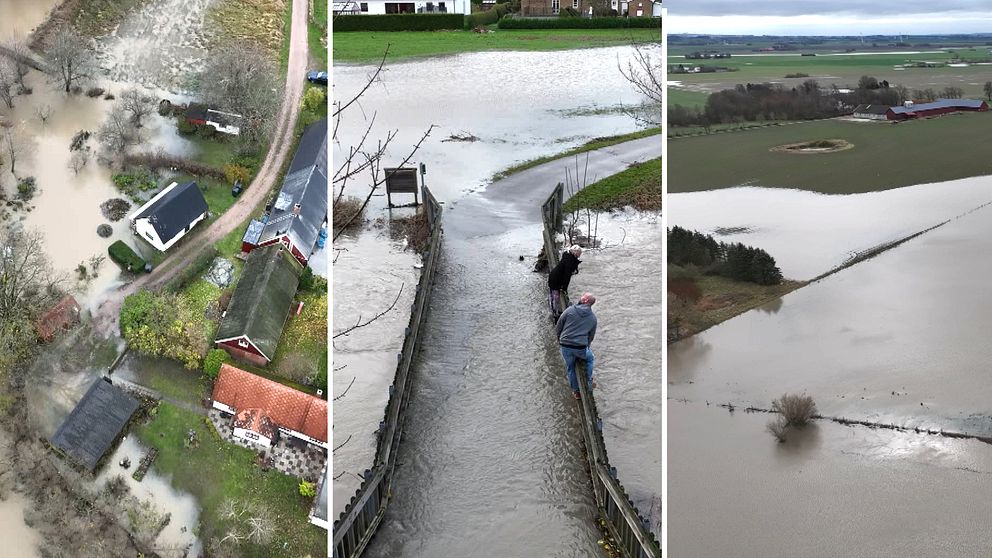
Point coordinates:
pixel 136 103
pixel 249 522
pixel 14 144
pixel 988 90
pixel 8 79
pixel 118 132
pixel 70 58
pixel 21 53
pixel 27 281
pixel 78 161
pixel 644 71
pixel 43 112
pixel 243 80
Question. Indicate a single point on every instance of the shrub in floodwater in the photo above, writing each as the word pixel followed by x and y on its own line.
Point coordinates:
pixel 348 212
pixel 185 127
pixel 94 92
pixel 797 410
pixel 778 428
pixel 26 188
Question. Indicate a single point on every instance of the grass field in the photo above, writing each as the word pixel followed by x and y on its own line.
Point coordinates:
pixel 317 34
pixel 840 70
pixel 884 156
pixel 719 299
pixel 592 145
pixel 685 97
pixel 638 186
pixel 365 47
pixel 215 471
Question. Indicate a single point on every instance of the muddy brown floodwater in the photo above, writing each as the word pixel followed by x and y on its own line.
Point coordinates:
pixel 19 17
pixel 625 276
pixel 833 491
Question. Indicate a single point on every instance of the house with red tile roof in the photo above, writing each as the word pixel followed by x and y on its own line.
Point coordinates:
pixel 263 409
pixel 63 316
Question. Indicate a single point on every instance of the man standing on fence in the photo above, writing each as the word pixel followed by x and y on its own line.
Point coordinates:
pixel 561 276
pixel 576 329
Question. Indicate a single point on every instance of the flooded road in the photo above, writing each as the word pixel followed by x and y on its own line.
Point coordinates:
pixel 835 490
pixel 809 233
pixel 462 442
pixel 491 456
pixel 626 279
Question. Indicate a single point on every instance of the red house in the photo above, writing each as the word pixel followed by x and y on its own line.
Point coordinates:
pixel 60 317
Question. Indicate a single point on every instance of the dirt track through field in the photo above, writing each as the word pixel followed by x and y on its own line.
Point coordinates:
pixel 106 316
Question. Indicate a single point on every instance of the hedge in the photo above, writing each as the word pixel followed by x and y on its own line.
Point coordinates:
pixel 399 22
pixel 125 256
pixel 487 17
pixel 580 23
pixel 191 272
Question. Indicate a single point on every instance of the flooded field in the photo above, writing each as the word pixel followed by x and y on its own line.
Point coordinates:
pixel 625 277
pixel 834 490
pixel 809 233
pixel 499 97
pixel 19 539
pixel 20 17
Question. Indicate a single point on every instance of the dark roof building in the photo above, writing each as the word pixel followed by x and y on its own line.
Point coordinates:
pixel 941 106
pixel 171 214
pixel 300 209
pixel 251 327
pixel 95 423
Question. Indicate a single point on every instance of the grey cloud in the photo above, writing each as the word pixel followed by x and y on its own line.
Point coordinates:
pixel 820 7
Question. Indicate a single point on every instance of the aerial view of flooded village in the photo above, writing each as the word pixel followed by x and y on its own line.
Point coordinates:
pixel 163 268
pixel 478 164
pixel 828 303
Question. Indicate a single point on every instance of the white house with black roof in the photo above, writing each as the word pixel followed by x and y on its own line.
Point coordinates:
pixel 169 215
pixel 300 210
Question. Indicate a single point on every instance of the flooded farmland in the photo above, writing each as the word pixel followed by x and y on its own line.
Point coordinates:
pixel 896 340
pixel 20 17
pixel 734 491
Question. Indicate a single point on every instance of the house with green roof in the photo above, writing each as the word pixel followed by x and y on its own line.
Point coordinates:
pixel 252 324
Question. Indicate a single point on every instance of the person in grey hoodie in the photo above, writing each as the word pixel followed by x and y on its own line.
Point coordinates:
pixel 576 329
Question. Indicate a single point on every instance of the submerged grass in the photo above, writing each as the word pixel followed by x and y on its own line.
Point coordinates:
pixel 592 145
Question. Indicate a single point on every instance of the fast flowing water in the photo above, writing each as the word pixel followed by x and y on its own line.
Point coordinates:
pixel 625 276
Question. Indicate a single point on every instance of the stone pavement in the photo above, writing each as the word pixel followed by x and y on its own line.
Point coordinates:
pixel 289 455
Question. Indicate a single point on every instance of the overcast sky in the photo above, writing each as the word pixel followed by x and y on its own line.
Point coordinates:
pixel 828 17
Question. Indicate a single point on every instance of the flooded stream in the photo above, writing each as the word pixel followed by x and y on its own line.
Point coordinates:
pixel 19 17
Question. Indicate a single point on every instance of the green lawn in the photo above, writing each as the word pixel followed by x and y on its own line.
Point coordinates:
pixel 367 46
pixel 216 471
pixel 638 186
pixel 317 33
pixel 686 98
pixel 592 145
pixel 216 152
pixel 884 156
pixel 304 340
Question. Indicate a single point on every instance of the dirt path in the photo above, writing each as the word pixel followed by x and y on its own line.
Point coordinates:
pixel 106 316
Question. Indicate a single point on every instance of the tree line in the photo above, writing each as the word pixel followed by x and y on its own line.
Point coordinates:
pixel 731 260
pixel 759 102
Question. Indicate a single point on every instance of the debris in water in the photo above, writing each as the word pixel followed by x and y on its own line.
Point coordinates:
pixel 464 136
pixel 115 209
pixel 104 230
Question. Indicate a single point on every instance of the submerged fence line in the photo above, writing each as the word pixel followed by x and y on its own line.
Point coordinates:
pixel 629 530
pixel 358 522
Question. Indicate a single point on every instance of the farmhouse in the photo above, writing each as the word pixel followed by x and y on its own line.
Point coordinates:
pixel 300 211
pixel 169 215
pixel 263 409
pixel 252 325
pixel 380 7
pixel 95 423
pixel 60 317
pixel 921 110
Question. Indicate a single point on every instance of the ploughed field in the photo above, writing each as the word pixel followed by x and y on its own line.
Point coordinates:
pixel 884 156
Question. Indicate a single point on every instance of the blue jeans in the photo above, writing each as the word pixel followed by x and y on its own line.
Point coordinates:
pixel 571 355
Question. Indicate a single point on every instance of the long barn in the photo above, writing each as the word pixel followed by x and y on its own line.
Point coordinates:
pixel 921 110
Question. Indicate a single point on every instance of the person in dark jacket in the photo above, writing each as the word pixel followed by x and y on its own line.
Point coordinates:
pixel 576 329
pixel 561 275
